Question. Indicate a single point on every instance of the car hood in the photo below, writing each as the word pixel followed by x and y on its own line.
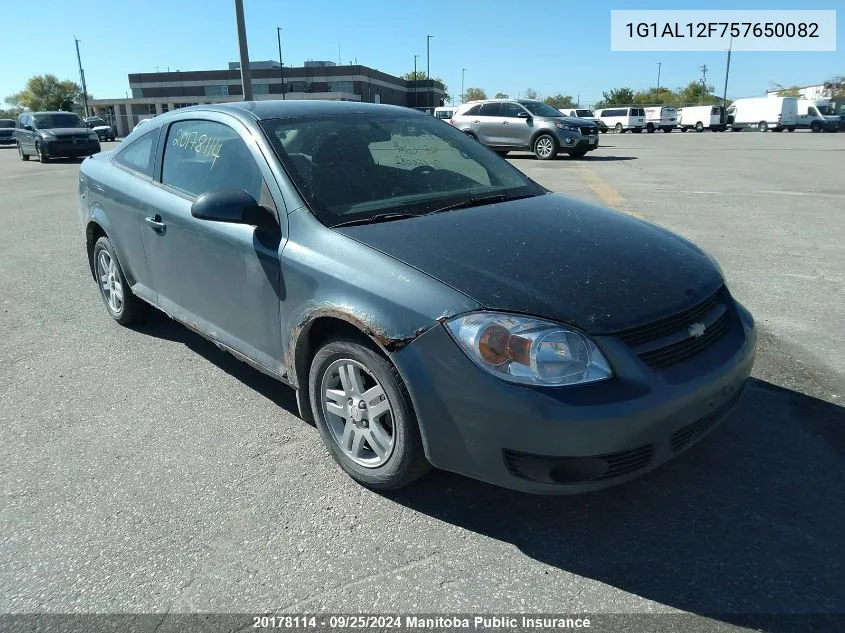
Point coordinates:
pixel 552 256
pixel 68 131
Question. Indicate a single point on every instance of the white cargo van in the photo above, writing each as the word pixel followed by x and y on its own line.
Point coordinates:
pixel 445 112
pixel 623 119
pixel 763 113
pixel 660 118
pixel 816 116
pixel 701 118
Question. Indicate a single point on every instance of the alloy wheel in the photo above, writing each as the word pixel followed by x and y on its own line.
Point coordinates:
pixel 358 413
pixel 544 147
pixel 110 284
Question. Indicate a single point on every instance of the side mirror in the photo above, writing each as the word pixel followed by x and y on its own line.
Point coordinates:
pixel 235 206
pixel 27 127
pixel 523 115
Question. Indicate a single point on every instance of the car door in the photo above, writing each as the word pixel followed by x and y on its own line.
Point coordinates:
pixel 490 124
pixel 220 278
pixel 26 135
pixel 516 129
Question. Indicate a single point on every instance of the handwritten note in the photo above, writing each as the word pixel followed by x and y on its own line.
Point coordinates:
pixel 201 144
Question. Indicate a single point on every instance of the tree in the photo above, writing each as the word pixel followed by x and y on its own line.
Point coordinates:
pixel 46 92
pixel 11 113
pixel 530 93
pixel 502 95
pixel 655 96
pixel 420 76
pixel 793 91
pixel 696 93
pixel 560 101
pixel 835 87
pixel 617 96
pixel 474 94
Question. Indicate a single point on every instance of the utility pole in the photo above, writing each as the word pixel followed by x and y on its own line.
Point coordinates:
pixel 463 74
pixel 246 78
pixel 659 64
pixel 725 93
pixel 281 63
pixel 415 80
pixel 704 75
pixel 82 78
pixel 428 63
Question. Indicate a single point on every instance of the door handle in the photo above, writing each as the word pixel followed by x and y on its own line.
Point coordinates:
pixel 476 121
pixel 156 223
pixel 504 122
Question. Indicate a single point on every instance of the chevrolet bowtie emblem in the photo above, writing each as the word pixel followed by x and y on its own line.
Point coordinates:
pixel 696 330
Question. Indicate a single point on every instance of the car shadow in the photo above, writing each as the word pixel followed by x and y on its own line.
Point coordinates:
pixel 742 528
pixel 588 158
pixel 163 327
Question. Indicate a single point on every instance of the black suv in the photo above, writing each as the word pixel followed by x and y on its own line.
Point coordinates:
pixel 7 131
pixel 54 134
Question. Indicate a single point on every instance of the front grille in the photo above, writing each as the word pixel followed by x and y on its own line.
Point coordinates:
pixel 586 131
pixel 626 462
pixel 683 436
pixel 670 340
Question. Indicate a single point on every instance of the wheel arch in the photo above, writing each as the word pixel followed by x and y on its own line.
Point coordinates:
pixel 93 231
pixel 538 133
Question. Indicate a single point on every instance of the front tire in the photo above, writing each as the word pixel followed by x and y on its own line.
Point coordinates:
pixel 762 126
pixel 545 147
pixel 650 128
pixel 815 126
pixel 21 153
pixel 618 129
pixel 123 306
pixel 378 444
pixel 42 158
pixel 699 126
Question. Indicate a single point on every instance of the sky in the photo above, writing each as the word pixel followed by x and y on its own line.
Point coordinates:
pixel 554 46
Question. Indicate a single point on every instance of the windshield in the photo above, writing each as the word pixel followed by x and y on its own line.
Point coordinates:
pixel 95 122
pixel 355 167
pixel 57 120
pixel 826 109
pixel 443 114
pixel 7 123
pixel 538 108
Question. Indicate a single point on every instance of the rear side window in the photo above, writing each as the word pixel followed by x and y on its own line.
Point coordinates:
pixel 473 110
pixel 489 109
pixel 139 155
pixel 201 156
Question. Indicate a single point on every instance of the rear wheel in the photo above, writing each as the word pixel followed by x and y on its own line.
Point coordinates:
pixel 545 147
pixel 666 129
pixel 650 128
pixel 699 126
pixel 365 415
pixel 790 129
pixel 41 156
pixel 123 306
pixel 21 153
pixel 762 126
pixel 618 128
pixel 815 126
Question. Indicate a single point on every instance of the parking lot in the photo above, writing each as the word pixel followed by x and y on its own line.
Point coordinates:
pixel 147 471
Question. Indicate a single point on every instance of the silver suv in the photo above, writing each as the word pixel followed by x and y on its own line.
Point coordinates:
pixel 519 124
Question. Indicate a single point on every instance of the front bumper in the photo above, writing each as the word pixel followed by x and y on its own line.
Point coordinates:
pixel 571 439
pixel 574 141
pixel 68 149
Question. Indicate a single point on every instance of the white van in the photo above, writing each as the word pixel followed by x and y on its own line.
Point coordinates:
pixel 445 112
pixel 701 118
pixel 623 119
pixel 660 118
pixel 816 116
pixel 763 113
pixel 583 113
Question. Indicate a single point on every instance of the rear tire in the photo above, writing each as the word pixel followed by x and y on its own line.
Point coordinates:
pixel 618 128
pixel 815 126
pixel 341 368
pixel 699 126
pixel 790 129
pixel 123 306
pixel 637 130
pixel 762 126
pixel 650 128
pixel 21 153
pixel 545 147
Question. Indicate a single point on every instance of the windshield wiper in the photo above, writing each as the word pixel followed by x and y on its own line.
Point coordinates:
pixel 379 217
pixel 481 201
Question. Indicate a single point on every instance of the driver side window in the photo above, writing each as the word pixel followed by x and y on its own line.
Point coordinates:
pixel 511 110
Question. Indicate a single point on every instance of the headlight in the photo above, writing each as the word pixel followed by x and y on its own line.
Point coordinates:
pixel 566 126
pixel 528 350
pixel 49 136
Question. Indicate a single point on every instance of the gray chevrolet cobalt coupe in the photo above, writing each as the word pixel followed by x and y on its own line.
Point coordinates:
pixel 429 303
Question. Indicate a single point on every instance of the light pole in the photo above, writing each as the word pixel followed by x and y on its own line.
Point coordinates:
pixel 659 64
pixel 463 75
pixel 415 80
pixel 281 63
pixel 428 63
pixel 246 79
pixel 725 93
pixel 82 78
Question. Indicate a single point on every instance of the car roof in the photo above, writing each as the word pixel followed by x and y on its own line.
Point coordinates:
pixel 293 108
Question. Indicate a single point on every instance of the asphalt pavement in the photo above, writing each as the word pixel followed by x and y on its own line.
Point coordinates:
pixel 144 470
